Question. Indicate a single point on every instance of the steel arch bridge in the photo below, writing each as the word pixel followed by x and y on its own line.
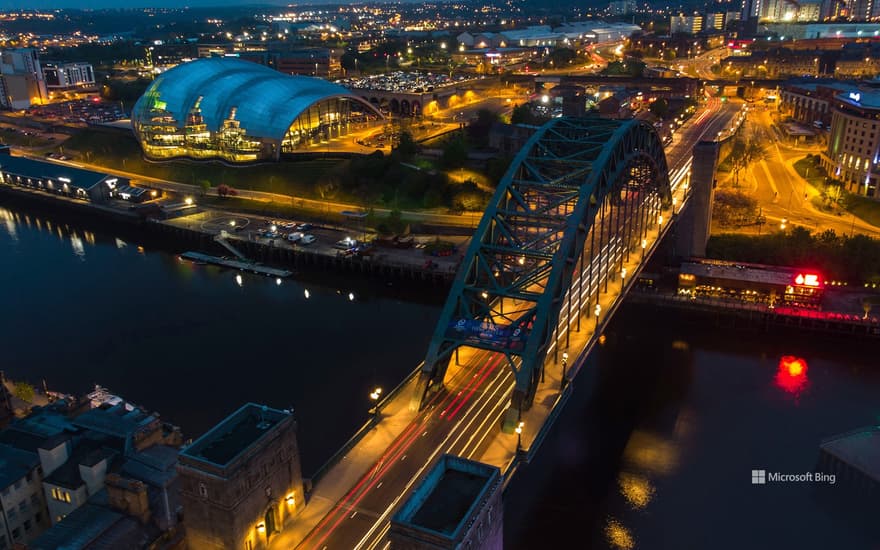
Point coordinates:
pixel 575 202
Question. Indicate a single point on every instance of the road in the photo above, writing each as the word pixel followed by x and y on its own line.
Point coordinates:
pixel 464 418
pixel 780 191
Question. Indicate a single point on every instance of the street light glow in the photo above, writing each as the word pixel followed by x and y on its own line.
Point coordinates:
pixel 374 395
pixel 188 201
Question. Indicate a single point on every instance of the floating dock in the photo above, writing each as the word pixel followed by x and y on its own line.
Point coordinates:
pixel 236 264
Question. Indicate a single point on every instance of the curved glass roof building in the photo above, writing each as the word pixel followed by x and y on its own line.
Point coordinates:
pixel 224 107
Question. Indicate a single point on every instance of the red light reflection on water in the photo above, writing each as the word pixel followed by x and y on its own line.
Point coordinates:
pixel 792 374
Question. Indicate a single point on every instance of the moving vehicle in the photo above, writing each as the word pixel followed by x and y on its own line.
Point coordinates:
pixel 308 239
pixel 295 236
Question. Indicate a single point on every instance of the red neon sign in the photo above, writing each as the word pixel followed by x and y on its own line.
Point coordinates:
pixel 808 279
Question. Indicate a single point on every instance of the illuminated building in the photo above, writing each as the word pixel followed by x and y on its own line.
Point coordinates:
pixel 65 76
pixel 751 283
pixel 21 79
pixel 691 24
pixel 853 149
pixel 224 107
pixel 241 482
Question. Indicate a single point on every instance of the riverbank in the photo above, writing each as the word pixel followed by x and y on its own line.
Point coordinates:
pixel 200 229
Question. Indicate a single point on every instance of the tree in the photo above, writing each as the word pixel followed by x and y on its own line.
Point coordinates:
pixel 407 147
pixel 205 185
pixel 659 108
pixel 455 153
pixel 24 391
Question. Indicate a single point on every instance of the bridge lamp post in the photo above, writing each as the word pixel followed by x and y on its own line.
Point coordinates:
pixel 644 246
pixel 659 221
pixel 518 430
pixel 622 278
pixel 597 311
pixel 674 202
pixel 564 365
pixel 374 396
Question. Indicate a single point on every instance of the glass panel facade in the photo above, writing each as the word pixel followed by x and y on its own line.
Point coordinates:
pixel 240 111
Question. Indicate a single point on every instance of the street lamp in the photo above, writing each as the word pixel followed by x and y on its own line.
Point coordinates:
pixel 374 396
pixel 597 310
pixel 644 246
pixel 660 220
pixel 622 277
pixel 564 365
pixel 782 224
pixel 518 431
pixel 674 202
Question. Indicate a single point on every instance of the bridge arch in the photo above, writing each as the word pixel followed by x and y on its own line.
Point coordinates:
pixel 576 201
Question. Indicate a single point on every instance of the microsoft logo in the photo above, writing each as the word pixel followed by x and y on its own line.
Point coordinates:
pixel 759 477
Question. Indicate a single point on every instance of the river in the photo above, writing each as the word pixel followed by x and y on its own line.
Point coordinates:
pixel 654 449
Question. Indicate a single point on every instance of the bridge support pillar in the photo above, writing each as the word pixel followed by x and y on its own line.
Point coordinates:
pixel 694 225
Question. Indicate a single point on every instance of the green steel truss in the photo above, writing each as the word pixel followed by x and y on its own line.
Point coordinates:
pixel 517 272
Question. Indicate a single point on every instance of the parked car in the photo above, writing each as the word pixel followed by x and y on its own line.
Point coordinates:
pixel 308 239
pixel 295 236
pixel 272 234
pixel 303 227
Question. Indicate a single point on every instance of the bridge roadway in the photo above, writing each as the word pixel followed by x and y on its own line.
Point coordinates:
pixel 350 506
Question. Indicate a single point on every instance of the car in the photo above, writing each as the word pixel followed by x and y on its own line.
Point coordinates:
pixel 346 243
pixel 308 239
pixel 295 236
pixel 272 234
pixel 303 227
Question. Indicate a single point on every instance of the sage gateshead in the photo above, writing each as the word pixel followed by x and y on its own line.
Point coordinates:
pixel 227 108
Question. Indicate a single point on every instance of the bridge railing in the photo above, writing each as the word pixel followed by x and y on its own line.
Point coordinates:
pixel 363 430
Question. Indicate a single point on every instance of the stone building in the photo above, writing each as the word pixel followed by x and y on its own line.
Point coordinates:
pixel 456 505
pixel 241 482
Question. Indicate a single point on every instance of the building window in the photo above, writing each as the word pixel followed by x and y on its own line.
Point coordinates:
pixel 11 514
pixel 203 490
pixel 35 499
pixel 59 495
pixel 16 533
pixel 38 517
pixel 27 525
pixel 22 506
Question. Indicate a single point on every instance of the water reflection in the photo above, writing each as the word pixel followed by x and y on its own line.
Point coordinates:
pixel 636 489
pixel 791 375
pixel 618 536
pixel 9 222
pixel 77 245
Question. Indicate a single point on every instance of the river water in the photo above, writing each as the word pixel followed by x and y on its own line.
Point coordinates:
pixel 654 450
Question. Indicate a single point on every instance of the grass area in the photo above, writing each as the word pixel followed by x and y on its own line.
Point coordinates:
pixel 122 152
pixel 810 169
pixel 11 137
pixel 373 180
pixel 863 208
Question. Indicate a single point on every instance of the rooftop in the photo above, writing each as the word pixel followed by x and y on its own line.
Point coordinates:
pixel 86 525
pixel 860 449
pixel 85 179
pixel 120 420
pixel 15 464
pixel 235 434
pixel 448 496
pixel 776 275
